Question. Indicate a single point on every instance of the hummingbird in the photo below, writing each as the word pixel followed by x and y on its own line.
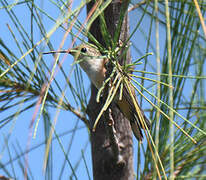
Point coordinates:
pixel 93 63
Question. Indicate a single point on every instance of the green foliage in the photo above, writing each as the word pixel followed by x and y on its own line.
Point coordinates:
pixel 172 81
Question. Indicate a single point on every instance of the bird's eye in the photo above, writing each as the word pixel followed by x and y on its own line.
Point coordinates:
pixel 83 50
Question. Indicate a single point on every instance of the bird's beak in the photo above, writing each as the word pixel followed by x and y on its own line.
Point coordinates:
pixel 71 51
pixel 54 52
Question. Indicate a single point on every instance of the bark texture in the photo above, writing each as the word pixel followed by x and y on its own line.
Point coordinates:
pixel 107 163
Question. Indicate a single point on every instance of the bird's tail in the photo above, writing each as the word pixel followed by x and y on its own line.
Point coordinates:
pixel 136 125
pixel 136 130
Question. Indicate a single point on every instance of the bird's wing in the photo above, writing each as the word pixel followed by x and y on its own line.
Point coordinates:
pixel 127 107
pixel 131 105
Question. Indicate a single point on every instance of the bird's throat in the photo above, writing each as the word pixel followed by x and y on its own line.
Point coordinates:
pixel 95 70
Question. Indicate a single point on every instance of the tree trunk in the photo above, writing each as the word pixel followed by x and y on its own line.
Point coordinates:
pixel 107 164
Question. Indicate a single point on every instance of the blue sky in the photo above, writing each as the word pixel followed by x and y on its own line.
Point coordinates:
pixel 19 127
pixel 18 130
